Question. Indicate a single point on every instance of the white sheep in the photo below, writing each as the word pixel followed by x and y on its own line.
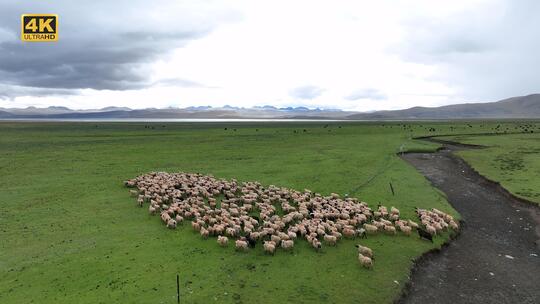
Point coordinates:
pixel 405 229
pixel 241 245
pixel 269 247
pixel 171 224
pixel 222 240
pixel 370 228
pixel 287 244
pixel 330 239
pixel 390 229
pixel 365 261
pixel 364 250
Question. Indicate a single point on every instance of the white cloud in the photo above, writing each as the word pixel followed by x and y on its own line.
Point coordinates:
pixel 355 55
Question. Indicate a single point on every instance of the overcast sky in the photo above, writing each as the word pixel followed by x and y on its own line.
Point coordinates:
pixel 353 55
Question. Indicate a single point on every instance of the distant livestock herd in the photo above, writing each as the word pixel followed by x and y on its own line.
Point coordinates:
pixel 248 212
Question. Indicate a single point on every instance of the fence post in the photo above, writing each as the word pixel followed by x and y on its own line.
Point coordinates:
pixel 177 288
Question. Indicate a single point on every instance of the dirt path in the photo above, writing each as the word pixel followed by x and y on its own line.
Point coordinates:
pixel 496 258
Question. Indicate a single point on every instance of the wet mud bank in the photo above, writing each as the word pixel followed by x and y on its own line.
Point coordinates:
pixel 496 257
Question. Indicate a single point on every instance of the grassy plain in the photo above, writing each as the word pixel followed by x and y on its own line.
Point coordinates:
pixel 511 159
pixel 70 233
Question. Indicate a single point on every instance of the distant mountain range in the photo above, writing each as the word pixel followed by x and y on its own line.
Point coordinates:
pixel 224 112
pixel 516 107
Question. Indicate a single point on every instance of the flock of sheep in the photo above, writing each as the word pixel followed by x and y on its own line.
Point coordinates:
pixel 248 212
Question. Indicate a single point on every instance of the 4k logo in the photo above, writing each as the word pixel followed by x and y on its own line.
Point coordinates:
pixel 39 27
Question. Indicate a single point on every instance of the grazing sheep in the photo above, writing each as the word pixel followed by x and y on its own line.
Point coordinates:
pixel 364 250
pixel 287 244
pixel 204 233
pixel 413 224
pixel 361 232
pixel 171 224
pixel 393 217
pixel 251 242
pixel 405 229
pixel 241 245
pixel 165 217
pixel 249 209
pixel 425 235
pixel 371 229
pixel 431 230
pixel 255 235
pixel 338 235
pixel 365 261
pixel 390 229
pixel 378 224
pixel 269 247
pixel 349 233
pixel 330 239
pixel 222 240
pixel 291 235
pixel 274 238
pixel 316 244
pixel 230 232
pixel 283 236
pixel 195 226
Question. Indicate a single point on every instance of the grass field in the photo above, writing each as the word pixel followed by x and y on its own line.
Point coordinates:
pixel 513 160
pixel 71 233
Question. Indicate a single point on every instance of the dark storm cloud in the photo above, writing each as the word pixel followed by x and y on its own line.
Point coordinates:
pixel 306 92
pixel 99 66
pixel 486 54
pixel 366 94
pixel 102 45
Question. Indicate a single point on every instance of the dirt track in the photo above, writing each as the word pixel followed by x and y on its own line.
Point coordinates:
pixel 496 258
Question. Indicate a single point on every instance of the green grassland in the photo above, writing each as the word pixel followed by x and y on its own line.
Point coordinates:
pixel 70 233
pixel 511 159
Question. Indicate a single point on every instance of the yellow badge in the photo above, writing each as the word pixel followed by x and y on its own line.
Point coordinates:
pixel 39 27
